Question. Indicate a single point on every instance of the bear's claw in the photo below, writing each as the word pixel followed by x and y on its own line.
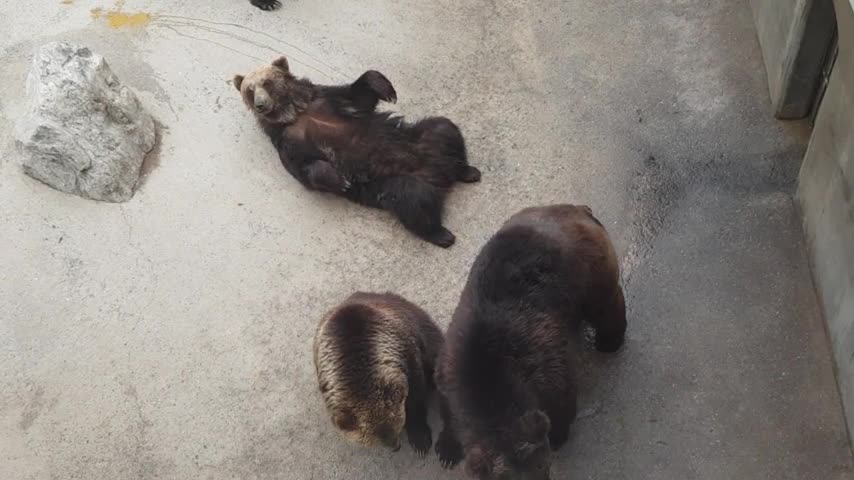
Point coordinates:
pixel 267 5
pixel 449 450
pixel 421 439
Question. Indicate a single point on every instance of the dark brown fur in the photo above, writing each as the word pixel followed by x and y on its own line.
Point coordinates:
pixel 331 139
pixel 506 372
pixel 375 356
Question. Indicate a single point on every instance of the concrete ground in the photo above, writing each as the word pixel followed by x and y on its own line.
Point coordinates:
pixel 170 337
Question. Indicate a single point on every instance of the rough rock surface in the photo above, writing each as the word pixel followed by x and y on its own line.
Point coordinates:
pixel 85 132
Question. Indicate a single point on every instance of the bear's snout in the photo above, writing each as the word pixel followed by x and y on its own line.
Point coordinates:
pixel 263 102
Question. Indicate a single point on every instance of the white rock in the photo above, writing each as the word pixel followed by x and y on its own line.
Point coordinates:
pixel 85 132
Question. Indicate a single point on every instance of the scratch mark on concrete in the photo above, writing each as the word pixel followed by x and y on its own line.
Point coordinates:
pixel 192 22
pixel 116 18
pixel 173 29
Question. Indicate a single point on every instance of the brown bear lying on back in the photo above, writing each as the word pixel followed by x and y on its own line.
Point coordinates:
pixel 506 373
pixel 331 139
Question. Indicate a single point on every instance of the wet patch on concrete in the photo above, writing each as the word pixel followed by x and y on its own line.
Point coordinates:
pixel 654 191
pixel 32 408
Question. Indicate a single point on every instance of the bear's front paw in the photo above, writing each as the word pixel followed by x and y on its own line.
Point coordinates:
pixel 609 344
pixel 449 450
pixel 381 86
pixel 267 5
pixel 469 174
pixel 421 439
pixel 441 237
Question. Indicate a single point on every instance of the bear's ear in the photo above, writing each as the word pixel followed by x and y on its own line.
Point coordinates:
pixel 282 64
pixel 478 462
pixel 238 81
pixel 345 420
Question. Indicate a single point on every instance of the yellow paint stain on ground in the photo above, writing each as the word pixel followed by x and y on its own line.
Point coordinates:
pixel 120 20
pixel 115 18
pixel 67 2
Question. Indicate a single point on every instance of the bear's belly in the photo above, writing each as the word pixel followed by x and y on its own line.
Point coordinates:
pixel 363 151
pixel 312 129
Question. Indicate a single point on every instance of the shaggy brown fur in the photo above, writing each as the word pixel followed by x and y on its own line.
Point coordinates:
pixel 375 356
pixel 331 139
pixel 506 372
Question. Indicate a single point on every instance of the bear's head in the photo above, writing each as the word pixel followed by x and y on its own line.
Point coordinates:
pixel 521 452
pixel 273 94
pixel 375 419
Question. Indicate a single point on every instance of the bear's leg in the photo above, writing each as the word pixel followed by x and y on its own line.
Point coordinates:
pixel 417 430
pixel 561 414
pixel 448 446
pixel 371 87
pixel 266 4
pixel 418 206
pixel 444 133
pixel 608 317
pixel 361 97
pixel 468 174
pixel 321 175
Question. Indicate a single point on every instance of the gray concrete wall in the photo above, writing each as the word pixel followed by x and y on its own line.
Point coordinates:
pixel 794 36
pixel 825 195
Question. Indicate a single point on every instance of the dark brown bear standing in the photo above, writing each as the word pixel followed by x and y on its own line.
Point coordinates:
pixel 375 356
pixel 332 139
pixel 506 373
pixel 266 4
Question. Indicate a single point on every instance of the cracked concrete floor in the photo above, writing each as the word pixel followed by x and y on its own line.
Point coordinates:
pixel 169 337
